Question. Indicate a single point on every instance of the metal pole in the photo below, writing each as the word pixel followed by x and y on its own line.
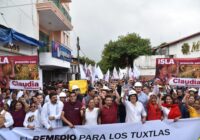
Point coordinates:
pixel 78 48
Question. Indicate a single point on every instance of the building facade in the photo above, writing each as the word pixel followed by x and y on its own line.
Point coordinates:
pixel 147 69
pixel 186 47
pixel 45 20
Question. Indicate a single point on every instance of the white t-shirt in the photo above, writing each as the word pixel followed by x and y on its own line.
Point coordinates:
pixel 8 119
pixel 32 119
pixel 91 116
pixel 135 112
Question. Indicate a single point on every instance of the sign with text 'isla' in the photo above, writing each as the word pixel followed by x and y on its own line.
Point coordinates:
pixel 178 71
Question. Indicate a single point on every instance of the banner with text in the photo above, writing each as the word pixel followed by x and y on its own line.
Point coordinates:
pixel 178 71
pixel 153 130
pixel 82 84
pixel 61 52
pixel 19 72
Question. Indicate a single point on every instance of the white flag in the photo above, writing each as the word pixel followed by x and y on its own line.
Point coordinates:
pixel 130 73
pixel 136 72
pixel 99 73
pixel 122 73
pixel 94 74
pixel 89 72
pixel 115 74
pixel 107 76
pixel 82 72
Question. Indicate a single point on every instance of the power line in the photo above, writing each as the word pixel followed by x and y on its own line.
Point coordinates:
pixel 10 6
pixel 81 41
pixel 19 9
pixel 83 52
pixel 33 21
pixel 4 19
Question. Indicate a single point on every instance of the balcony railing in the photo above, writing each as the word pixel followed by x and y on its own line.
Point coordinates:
pixel 58 4
pixel 62 9
pixel 48 46
pixel 44 49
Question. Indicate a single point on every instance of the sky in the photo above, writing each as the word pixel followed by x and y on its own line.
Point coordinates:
pixel 96 22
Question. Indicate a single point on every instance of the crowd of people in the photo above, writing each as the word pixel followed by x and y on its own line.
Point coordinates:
pixel 118 101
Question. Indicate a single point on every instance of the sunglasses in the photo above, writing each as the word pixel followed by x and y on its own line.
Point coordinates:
pixel 76 90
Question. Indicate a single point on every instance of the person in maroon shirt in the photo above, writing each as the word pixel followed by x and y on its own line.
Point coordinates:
pixel 72 111
pixel 19 112
pixel 109 113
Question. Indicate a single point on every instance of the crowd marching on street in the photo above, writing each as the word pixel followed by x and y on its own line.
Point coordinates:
pixel 116 101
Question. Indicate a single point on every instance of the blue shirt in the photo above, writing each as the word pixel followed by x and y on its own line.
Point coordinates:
pixel 143 98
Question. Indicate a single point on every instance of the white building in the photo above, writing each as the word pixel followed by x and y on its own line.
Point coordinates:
pixel 147 66
pixel 44 20
pixel 187 47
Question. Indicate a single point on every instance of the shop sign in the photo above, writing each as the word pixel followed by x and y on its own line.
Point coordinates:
pixel 12 47
pixel 194 48
pixel 178 71
pixel 19 72
pixel 61 52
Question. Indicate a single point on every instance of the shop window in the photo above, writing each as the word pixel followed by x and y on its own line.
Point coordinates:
pixel 66 39
pixel 45 38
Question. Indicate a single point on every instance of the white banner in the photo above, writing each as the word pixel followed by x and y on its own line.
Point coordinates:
pixel 188 129
pixel 188 82
pixel 25 84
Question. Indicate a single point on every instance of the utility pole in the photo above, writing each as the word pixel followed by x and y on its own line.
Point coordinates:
pixel 78 49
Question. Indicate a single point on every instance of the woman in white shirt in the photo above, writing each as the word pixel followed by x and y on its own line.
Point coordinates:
pixel 32 118
pixel 6 119
pixel 135 111
pixel 91 114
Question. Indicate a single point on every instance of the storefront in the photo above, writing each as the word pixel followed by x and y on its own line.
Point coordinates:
pixel 55 64
pixel 19 52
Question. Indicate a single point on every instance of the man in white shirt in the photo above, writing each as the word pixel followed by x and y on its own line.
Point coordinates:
pixel 51 112
pixel 6 119
pixel 49 91
pixel 135 111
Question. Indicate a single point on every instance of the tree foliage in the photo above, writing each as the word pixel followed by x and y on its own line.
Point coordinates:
pixel 122 52
pixel 86 60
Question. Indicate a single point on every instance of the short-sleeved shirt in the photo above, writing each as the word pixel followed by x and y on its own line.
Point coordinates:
pixel 72 112
pixel 154 112
pixel 193 112
pixel 109 115
pixel 91 116
pixel 143 98
pixel 135 112
pixel 87 98
pixel 18 117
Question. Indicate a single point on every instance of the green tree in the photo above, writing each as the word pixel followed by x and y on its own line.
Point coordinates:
pixel 122 52
pixel 86 60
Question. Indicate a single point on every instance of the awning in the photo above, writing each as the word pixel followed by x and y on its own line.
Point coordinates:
pixel 8 35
